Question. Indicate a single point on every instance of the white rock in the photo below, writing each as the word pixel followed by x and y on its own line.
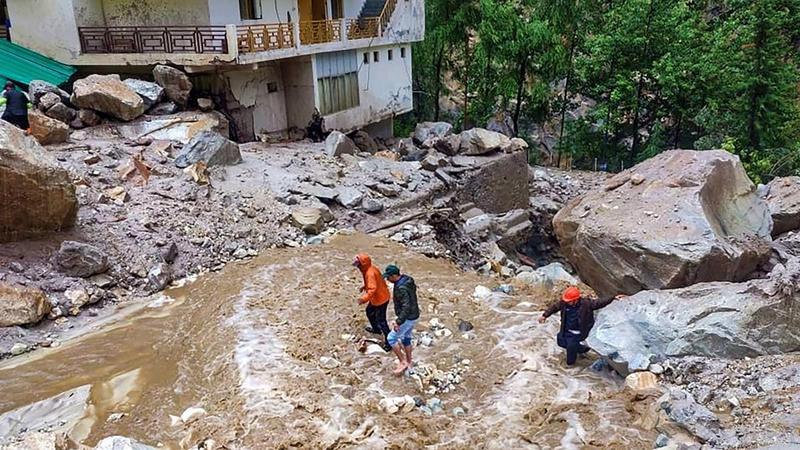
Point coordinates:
pixel 326 362
pixel 481 292
pixel 193 413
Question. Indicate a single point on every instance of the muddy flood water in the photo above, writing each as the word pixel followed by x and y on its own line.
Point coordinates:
pixel 245 344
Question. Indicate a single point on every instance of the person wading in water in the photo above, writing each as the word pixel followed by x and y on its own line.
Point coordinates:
pixel 577 319
pixel 375 294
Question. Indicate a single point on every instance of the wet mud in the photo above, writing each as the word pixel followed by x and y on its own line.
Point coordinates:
pixel 245 344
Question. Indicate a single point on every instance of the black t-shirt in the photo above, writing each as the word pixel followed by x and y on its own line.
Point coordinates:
pixel 17 103
pixel 571 315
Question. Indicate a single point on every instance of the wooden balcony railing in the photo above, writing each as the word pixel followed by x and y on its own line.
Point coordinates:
pixel 368 27
pixel 178 39
pixel 320 31
pixel 4 33
pixel 264 37
pixel 386 14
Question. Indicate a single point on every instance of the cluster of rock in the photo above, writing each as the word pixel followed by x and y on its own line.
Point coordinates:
pixel 691 238
pixel 96 97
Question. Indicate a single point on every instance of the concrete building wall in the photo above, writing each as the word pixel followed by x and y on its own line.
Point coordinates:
pixel 251 89
pixel 384 88
pixel 225 12
pixel 300 82
pixel 45 26
pixel 89 13
pixel 155 12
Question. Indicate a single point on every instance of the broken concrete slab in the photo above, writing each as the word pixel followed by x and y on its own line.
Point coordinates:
pixel 211 148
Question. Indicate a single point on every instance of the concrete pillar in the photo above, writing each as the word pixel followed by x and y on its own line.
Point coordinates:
pixel 233 41
pixel 296 32
pixel 343 29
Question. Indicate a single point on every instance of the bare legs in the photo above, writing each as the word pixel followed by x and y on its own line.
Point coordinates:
pixel 402 359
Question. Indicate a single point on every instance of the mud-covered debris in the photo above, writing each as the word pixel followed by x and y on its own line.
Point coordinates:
pixel 391 405
pixel 198 173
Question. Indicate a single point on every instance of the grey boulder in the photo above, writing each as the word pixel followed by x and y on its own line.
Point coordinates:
pixel 109 95
pixel 121 443
pixel 682 409
pixel 36 194
pixel 210 147
pixel 151 93
pixel 20 305
pixel 337 143
pixel 176 84
pixel 38 89
pixel 716 319
pixel 479 141
pixel 784 204
pixel 76 259
pixel 677 219
pixel 427 130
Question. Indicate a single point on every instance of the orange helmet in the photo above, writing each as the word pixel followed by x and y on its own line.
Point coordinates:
pixel 571 295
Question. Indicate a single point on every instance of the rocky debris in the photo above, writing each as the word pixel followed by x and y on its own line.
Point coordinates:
pixel 37 195
pixel 424 131
pixel 433 161
pixel 109 95
pixel 371 206
pixel 121 443
pixel 77 259
pixel 695 218
pixel 682 409
pixel 38 89
pixel 48 100
pixel 325 194
pixel 716 319
pixel 548 277
pixel 432 380
pixel 391 405
pixel 498 184
pixel 211 148
pixel 337 144
pixel 641 381
pixel 46 130
pixel 21 305
pixel 349 197
pixel 181 127
pixel 89 118
pixel 364 142
pixel 783 198
pixel 151 93
pixel 176 84
pixel 62 113
pixel 309 220
pixel 160 276
pixel 205 104
pixel 479 141
pixel 164 109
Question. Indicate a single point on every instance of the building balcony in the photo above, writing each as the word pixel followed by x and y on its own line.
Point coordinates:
pixel 400 21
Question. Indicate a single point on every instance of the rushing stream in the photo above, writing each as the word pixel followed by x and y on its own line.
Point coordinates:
pixel 245 344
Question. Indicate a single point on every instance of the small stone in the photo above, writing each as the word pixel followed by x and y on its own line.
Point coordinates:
pixel 637 179
pixel 464 326
pixel 19 348
pixel 170 253
pixel 205 104
pixel 160 276
pixel 371 206
pixel 193 413
pixel 661 441
pixel 657 369
pixel 458 411
pixel 91 160
pixel 16 267
pixel 640 381
pixel 326 362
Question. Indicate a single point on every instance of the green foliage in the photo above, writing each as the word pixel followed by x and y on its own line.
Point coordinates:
pixel 663 73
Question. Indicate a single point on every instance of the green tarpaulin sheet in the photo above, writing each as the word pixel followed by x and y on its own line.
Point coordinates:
pixel 21 65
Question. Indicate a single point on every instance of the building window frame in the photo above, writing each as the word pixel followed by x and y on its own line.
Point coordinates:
pixel 376 56
pixel 402 52
pixel 366 58
pixel 389 55
pixel 250 9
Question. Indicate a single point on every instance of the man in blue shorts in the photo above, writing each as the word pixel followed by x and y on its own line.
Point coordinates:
pixel 406 309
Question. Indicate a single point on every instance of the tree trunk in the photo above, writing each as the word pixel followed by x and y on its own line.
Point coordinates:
pixel 521 72
pixel 758 89
pixel 640 85
pixel 438 81
pixel 465 121
pixel 678 125
pixel 566 88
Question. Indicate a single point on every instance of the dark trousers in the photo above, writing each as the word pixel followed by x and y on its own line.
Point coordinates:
pixel 572 343
pixel 21 121
pixel 377 318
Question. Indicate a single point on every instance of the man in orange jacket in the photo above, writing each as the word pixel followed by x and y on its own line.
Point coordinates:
pixel 375 296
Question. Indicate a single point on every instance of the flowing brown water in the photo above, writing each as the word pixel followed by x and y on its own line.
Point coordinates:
pixel 245 345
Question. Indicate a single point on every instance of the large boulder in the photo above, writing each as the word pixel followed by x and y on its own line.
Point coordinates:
pixel 680 218
pixel 181 127
pixel 150 92
pixel 479 141
pixel 716 319
pixel 176 84
pixel 47 130
pixel 337 143
pixel 36 194
pixel 431 130
pixel 364 142
pixel 62 113
pixel 21 305
pixel 121 443
pixel 107 94
pixel 211 148
pixel 76 259
pixel 783 199
pixel 310 220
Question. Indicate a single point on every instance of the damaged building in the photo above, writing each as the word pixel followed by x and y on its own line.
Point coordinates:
pixel 268 64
